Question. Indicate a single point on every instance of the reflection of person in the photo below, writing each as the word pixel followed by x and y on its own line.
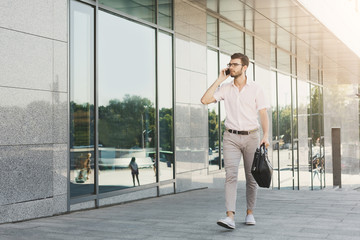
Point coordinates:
pixel 134 170
pixel 87 164
pixel 243 100
pixel 154 165
pixel 80 165
pixel 317 168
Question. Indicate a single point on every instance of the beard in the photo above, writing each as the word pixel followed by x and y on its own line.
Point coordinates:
pixel 236 75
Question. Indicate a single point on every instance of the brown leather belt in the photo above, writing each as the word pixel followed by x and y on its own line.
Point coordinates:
pixel 242 132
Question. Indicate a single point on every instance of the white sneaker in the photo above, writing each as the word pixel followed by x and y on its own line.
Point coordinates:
pixel 250 220
pixel 226 223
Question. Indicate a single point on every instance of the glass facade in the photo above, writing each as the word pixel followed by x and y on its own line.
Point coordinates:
pixel 122 96
pixel 294 104
pixel 213 113
pixel 165 105
pixel 121 101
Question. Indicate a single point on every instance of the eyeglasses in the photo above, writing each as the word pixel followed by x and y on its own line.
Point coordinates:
pixel 233 64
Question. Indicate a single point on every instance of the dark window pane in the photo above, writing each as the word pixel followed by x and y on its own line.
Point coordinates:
pixel 143 9
pixel 165 13
pixel 212 31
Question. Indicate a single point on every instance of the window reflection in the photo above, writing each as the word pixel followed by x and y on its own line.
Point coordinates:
pixel 212 31
pixel 224 60
pixel 285 152
pixel 81 99
pixel 233 10
pixel 212 4
pixel 213 112
pixel 165 13
pixel 303 115
pixel 231 39
pixel 275 139
pixel 283 61
pixel 126 102
pixel 142 9
pixel 249 46
pixel 317 156
pixel 165 96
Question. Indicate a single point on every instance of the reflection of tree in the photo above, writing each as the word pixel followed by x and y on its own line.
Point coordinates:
pixel 122 124
pixel 213 129
pixel 316 114
pixel 125 124
pixel 285 123
pixel 274 122
pixel 165 115
pixel 82 124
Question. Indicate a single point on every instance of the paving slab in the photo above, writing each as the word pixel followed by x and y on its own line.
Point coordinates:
pixel 280 214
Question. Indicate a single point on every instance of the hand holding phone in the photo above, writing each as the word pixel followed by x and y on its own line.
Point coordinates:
pixel 227 72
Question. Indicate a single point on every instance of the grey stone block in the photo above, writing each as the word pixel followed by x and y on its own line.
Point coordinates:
pixel 30 210
pixel 60 77
pixel 60 20
pixel 60 118
pixel 26 116
pixel 26 173
pixel 26 61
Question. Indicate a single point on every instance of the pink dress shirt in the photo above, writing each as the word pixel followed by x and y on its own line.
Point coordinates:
pixel 242 107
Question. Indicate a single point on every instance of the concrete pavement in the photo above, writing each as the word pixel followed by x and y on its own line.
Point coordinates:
pixel 284 214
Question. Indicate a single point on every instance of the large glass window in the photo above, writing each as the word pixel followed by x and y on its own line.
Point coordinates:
pixel 234 10
pixel 224 59
pixel 126 103
pixel 285 152
pixel 165 13
pixel 165 96
pixel 81 99
pixel 212 31
pixel 231 39
pixel 249 46
pixel 303 115
pixel 295 134
pixel 212 4
pixel 317 151
pixel 275 131
pixel 283 61
pixel 213 112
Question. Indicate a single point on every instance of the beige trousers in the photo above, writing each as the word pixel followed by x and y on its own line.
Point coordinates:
pixel 236 146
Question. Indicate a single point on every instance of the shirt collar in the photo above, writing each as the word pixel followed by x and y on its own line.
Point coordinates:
pixel 248 82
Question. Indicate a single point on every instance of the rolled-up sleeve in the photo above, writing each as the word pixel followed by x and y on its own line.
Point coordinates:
pixel 220 93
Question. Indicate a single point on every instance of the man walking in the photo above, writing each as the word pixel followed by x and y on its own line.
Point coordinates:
pixel 243 100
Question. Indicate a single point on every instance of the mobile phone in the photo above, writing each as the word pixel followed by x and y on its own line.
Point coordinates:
pixel 227 72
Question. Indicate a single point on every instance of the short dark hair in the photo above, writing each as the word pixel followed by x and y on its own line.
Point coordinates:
pixel 244 59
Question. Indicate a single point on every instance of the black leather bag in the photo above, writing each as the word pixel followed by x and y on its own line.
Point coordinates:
pixel 261 168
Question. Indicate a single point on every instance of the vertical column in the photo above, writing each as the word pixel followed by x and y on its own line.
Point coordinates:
pixel 336 156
